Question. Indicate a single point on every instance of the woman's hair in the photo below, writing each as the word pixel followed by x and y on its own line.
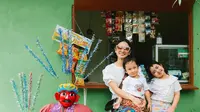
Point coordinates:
pixel 124 40
pixel 150 75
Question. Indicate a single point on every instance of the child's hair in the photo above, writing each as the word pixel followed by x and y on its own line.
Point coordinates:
pixel 150 75
pixel 127 60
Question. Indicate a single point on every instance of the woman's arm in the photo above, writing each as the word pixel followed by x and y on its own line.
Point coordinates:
pixel 122 93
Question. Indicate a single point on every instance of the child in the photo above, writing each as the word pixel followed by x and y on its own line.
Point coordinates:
pixel 165 89
pixel 135 85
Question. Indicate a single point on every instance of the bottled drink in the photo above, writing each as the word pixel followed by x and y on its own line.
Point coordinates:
pixel 159 39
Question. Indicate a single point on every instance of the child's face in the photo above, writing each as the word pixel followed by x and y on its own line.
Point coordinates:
pixel 131 69
pixel 157 70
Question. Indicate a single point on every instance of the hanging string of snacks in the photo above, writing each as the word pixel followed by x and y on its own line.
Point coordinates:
pixel 130 23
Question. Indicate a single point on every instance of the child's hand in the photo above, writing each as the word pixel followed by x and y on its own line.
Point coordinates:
pixel 171 109
pixel 142 104
pixel 116 105
pixel 149 107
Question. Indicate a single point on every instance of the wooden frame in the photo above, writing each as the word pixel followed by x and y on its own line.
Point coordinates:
pixel 153 5
pixel 73 27
pixel 190 85
pixel 132 5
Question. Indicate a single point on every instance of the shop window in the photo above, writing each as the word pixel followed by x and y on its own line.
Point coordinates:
pixel 175 28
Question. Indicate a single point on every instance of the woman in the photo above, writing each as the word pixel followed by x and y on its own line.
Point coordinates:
pixel 114 73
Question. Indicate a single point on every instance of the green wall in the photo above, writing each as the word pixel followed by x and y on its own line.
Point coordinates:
pixel 23 20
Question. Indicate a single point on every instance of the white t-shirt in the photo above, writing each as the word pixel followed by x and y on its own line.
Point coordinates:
pixel 135 86
pixel 164 89
pixel 113 73
pixel 116 74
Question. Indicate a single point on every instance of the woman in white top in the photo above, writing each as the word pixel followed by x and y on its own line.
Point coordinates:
pixel 165 89
pixel 114 73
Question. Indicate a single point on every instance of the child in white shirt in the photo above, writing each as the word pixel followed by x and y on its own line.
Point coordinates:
pixel 135 85
pixel 165 89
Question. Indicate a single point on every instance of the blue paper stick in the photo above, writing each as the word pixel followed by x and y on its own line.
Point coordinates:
pixel 98 65
pixel 22 90
pixel 25 94
pixel 70 56
pixel 17 94
pixel 36 93
pixel 47 60
pixel 30 91
pixel 90 57
pixel 63 53
pixel 39 60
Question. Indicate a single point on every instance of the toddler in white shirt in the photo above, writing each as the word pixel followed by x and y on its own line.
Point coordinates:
pixel 135 85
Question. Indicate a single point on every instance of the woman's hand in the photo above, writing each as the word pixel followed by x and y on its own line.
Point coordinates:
pixel 171 109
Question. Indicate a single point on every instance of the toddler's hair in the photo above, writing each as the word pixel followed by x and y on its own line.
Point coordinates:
pixel 127 60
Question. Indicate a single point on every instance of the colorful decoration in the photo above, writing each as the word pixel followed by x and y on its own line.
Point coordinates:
pixel 79 79
pixel 24 98
pixel 67 97
pixel 82 61
pixel 74 54
pixel 48 68
pixel 71 45
pixel 73 49
pixel 77 39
